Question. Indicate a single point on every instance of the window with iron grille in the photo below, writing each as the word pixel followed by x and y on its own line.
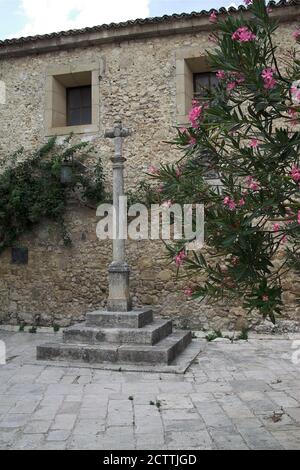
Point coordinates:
pixel 203 82
pixel 79 105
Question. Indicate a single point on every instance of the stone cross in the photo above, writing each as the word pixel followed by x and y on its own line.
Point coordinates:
pixel 119 296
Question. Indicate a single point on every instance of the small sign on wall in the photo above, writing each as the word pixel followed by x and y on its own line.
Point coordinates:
pixel 19 255
pixel 2 92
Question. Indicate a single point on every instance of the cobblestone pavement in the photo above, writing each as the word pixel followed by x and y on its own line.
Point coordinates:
pixel 244 395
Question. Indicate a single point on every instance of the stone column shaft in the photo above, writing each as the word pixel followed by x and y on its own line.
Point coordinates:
pixel 119 295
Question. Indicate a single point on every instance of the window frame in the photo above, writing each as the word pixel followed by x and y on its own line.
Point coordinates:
pixel 58 79
pixel 189 61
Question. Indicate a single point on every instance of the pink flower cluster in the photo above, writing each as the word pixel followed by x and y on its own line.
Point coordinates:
pixel 296 34
pixel 253 185
pixel 235 78
pixel 195 115
pixel 293 114
pixel 153 170
pixel 179 259
pixel 295 174
pixel 295 93
pixel 231 204
pixel 268 78
pixel 243 34
pixel 254 143
pixel 231 86
pixel 239 77
pixel 221 74
pixel 247 2
pixel 188 291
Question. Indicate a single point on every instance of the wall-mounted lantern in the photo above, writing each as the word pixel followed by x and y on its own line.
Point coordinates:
pixel 66 173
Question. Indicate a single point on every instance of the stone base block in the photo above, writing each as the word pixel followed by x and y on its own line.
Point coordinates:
pixel 163 353
pixel 77 353
pixel 150 334
pixel 133 319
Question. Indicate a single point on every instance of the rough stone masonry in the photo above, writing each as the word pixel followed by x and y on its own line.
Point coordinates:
pixel 141 71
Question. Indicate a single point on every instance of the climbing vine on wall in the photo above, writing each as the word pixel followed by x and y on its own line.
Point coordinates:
pixel 31 188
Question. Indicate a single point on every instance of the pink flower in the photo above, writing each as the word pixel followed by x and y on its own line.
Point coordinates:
pixel 298 217
pixel 267 73
pixel 192 141
pixel 188 291
pixel 179 259
pixel 254 143
pixel 268 77
pixel 167 204
pixel 153 170
pixel 253 185
pixel 183 130
pixel 295 174
pixel 276 227
pixel 220 74
pixel 247 2
pixel 243 34
pixel 229 203
pixel 194 116
pixel 213 18
pixel 231 86
pixel 265 298
pixel 269 10
pixel 240 78
pixel 295 91
pixel 296 35
pixel 293 114
pixel 242 202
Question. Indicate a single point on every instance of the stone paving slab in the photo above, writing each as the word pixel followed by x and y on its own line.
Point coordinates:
pixel 244 395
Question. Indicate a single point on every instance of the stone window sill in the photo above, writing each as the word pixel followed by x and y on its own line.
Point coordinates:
pixel 86 129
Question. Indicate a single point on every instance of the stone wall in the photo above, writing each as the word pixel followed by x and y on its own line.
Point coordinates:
pixel 59 285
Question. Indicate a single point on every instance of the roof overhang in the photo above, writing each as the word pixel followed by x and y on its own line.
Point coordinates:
pixel 131 30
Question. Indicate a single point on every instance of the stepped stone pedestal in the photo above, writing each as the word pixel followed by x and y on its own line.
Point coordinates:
pixel 120 335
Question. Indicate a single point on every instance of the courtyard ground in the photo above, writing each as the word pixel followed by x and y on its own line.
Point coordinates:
pixel 244 395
